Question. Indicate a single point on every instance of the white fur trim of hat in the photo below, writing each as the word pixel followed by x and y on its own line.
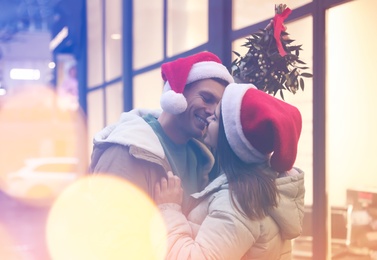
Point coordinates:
pixel 231 113
pixel 177 74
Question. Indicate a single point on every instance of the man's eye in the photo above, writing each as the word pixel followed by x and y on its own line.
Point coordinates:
pixel 206 99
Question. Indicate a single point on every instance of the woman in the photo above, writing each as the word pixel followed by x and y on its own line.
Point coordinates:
pixel 255 206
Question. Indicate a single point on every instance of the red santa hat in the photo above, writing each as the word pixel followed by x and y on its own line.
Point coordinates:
pixel 260 127
pixel 178 73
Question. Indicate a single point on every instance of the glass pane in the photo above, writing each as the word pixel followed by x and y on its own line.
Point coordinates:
pixel 246 12
pixel 301 32
pixel 95 114
pixel 352 117
pixel 187 25
pixel 113 39
pixel 33 125
pixel 67 87
pixel 147 90
pixel 148 32
pixel 114 102
pixel 351 98
pixel 95 53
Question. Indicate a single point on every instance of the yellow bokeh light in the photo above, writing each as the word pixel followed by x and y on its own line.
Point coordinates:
pixel 104 217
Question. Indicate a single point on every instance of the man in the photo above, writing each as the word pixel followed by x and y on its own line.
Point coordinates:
pixel 143 145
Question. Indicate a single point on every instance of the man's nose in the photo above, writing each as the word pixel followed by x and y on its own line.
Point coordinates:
pixel 210 110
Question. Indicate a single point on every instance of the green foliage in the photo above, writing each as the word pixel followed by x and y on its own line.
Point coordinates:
pixel 264 67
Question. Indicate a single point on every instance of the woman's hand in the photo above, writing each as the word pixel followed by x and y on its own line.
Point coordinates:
pixel 169 190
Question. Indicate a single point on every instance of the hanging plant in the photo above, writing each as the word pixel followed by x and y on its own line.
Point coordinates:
pixel 272 64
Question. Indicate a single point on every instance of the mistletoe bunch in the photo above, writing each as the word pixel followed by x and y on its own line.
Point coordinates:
pixel 271 63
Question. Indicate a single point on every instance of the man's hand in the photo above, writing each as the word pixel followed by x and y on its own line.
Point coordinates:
pixel 169 190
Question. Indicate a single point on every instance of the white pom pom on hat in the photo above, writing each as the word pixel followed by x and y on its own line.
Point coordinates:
pixel 178 73
pixel 260 127
pixel 172 102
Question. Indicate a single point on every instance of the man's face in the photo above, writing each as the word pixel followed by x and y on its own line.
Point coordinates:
pixel 202 98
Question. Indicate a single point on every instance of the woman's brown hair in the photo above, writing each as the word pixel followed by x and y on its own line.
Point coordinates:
pixel 254 189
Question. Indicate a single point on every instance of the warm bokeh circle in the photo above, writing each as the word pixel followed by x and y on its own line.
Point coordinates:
pixel 104 217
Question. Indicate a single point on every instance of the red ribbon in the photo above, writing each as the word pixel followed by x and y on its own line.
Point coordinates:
pixel 278 27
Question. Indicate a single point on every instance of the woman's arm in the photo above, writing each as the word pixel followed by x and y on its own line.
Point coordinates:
pixel 224 234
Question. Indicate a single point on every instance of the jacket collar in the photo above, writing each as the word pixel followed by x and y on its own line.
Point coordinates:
pixel 216 184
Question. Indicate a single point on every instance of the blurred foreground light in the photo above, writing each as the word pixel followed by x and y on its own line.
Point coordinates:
pixel 59 38
pixel 25 74
pixel 105 217
pixel 51 65
pixel 2 91
pixel 116 36
pixel 7 248
pixel 38 142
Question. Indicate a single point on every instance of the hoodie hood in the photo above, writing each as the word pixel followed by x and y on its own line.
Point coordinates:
pixel 290 211
pixel 130 130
